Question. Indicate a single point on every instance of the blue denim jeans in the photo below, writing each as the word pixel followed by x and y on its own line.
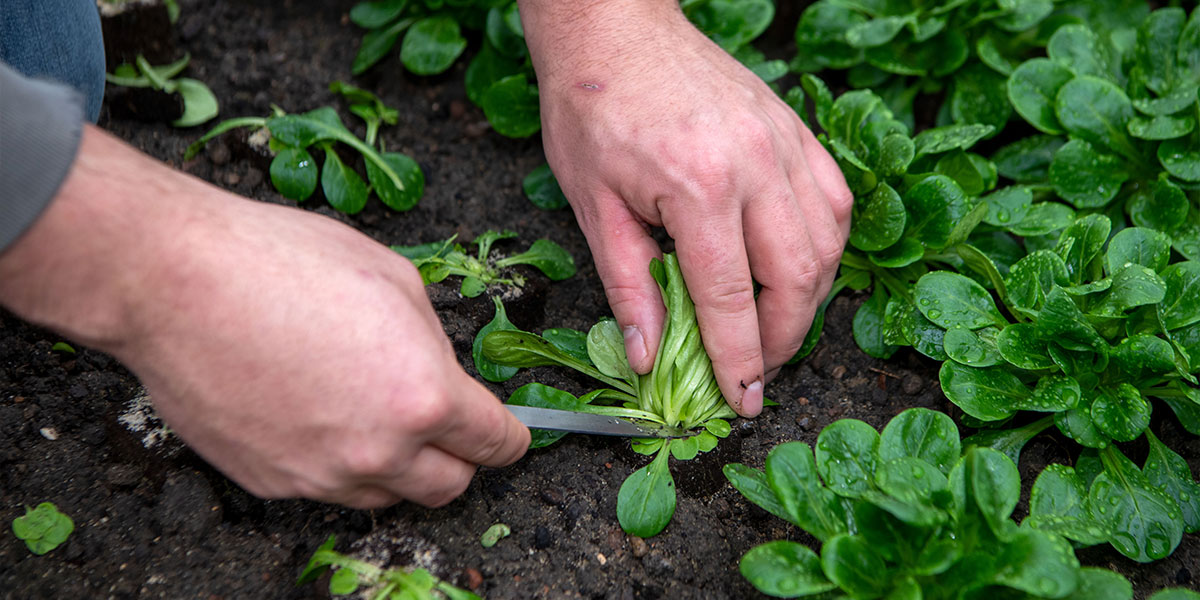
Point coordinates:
pixel 58 40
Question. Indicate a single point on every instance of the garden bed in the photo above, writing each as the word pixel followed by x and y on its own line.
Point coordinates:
pixel 153 520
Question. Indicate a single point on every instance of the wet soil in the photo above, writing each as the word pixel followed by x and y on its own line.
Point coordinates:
pixel 157 522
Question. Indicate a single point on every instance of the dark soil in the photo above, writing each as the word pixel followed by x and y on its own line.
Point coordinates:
pixel 159 523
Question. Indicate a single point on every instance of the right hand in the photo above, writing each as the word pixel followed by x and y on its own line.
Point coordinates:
pixel 296 355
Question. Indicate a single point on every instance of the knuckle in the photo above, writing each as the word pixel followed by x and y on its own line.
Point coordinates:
pixel 829 255
pixel 424 413
pixel 728 296
pixel 366 460
pixel 841 200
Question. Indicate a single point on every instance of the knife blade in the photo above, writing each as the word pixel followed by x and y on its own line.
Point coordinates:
pixel 579 422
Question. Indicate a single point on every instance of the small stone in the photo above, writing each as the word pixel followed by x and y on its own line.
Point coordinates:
pixel 838 372
pixel 600 558
pixel 542 538
pixel 232 178
pixel 911 385
pixel 49 433
pixel 551 496
pixel 836 411
pixel 638 546
pixel 802 401
pixel 253 177
pixel 218 153
pixel 804 421
pixel 474 578
pixel 458 109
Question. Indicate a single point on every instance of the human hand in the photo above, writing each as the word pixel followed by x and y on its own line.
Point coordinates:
pixel 647 122
pixel 296 355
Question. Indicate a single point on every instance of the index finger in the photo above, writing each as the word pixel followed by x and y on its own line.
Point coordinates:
pixel 712 256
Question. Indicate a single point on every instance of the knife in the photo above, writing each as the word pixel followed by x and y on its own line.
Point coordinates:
pixel 580 422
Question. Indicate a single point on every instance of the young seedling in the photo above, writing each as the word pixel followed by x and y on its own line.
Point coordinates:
pixel 901 514
pixel 43 528
pixel 394 177
pixel 199 103
pixel 680 392
pixel 351 574
pixel 439 260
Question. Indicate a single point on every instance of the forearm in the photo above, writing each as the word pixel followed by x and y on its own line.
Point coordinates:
pixel 109 229
pixel 577 38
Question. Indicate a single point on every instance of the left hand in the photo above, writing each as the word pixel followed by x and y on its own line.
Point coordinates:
pixel 647 122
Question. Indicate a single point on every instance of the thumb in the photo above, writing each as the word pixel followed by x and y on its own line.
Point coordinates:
pixel 622 250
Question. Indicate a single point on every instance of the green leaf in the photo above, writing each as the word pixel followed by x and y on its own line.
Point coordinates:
pixel 606 349
pixel 397 198
pixel 1078 48
pixel 1159 205
pixel 921 433
pixel 1170 472
pixel 845 456
pixel 1031 279
pixel 1038 563
pixel 543 396
pixel 922 333
pixel 1022 346
pixel 1028 159
pixel 344 189
pixel 372 15
pixel 901 254
pixel 542 189
pixel 1044 218
pixel 752 484
pixel 950 137
pixel 344 581
pixel 487 369
pixel 324 124
pixel 548 257
pixel 1085 176
pixel 522 349
pixel 432 45
pixel 1078 425
pixel 732 23
pixel 821 37
pixel 1033 89
pixel 1053 393
pixel 1181 305
pixel 1163 127
pixel 1145 521
pixel 1180 158
pixel 979 96
pixel 868 325
pixel 1008 205
pixel 963 346
pixel 1156 45
pixel 879 220
pixel 990 394
pixel 1095 110
pixel 785 570
pixel 792 476
pixel 1175 594
pixel 294 173
pixel 851 563
pixel 1101 584
pixel 501 36
pixel 995 485
pixel 511 106
pixel 488 67
pixel 1170 104
pixel 1059 504
pixel 376 44
pixel 1024 14
pixel 935 205
pixel 952 300
pixel 1138 246
pixel 43 528
pixel 1081 243
pixel 876 32
pixel 571 341
pixel 646 500
pixel 199 103
pixel 1061 320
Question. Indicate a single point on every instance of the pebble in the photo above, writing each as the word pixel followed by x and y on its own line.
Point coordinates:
pixel 542 538
pixel 253 177
pixel 218 153
pixel 802 401
pixel 474 578
pixel 232 178
pixel 838 372
pixel 638 546
pixel 551 496
pixel 911 385
pixel 49 433
pixel 804 421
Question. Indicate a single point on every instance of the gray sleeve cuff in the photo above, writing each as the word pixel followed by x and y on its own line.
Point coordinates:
pixel 40 127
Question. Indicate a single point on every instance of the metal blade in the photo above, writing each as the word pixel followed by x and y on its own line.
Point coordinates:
pixel 578 422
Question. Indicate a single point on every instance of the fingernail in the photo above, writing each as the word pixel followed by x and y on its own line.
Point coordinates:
pixel 635 346
pixel 752 399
